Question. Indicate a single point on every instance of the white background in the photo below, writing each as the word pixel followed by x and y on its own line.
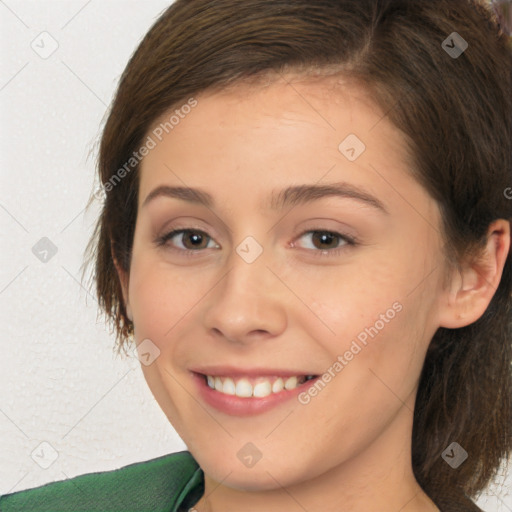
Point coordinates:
pixel 61 383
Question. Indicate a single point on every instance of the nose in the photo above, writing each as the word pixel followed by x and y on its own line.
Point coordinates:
pixel 247 304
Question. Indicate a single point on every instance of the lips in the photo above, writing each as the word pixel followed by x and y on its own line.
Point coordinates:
pixel 248 392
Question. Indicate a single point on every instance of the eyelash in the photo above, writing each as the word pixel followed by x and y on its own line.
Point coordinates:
pixel 349 242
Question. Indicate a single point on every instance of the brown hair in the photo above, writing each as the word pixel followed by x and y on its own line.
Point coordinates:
pixel 456 112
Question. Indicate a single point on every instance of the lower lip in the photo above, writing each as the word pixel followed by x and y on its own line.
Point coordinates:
pixel 238 406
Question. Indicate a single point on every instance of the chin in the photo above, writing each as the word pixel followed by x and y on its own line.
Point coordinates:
pixel 249 481
pixel 263 476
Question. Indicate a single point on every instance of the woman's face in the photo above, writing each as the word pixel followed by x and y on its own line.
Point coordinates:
pixel 275 280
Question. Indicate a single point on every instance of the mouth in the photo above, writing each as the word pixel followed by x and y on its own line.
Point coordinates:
pixel 250 392
pixel 257 387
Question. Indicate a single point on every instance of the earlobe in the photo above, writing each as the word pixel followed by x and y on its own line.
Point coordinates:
pixel 123 280
pixel 474 284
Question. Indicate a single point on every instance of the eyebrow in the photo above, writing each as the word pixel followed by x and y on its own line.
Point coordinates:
pixel 289 197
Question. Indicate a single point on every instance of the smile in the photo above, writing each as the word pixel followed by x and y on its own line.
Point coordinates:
pixel 248 391
pixel 259 387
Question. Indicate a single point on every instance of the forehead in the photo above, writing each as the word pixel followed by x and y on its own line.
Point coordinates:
pixel 276 100
pixel 291 128
pixel 326 101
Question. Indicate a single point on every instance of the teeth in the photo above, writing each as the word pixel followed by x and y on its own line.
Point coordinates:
pixel 243 388
pixel 278 385
pixel 228 387
pixel 260 388
pixel 291 383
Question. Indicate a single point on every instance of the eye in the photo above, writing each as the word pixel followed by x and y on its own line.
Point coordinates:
pixel 189 239
pixel 327 242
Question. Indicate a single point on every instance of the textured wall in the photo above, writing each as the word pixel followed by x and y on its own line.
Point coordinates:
pixel 60 380
pixel 68 405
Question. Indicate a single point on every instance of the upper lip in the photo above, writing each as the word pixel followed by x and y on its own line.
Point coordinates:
pixel 231 371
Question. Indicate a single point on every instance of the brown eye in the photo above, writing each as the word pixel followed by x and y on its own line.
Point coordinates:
pixel 194 240
pixel 325 243
pixel 325 240
pixel 190 239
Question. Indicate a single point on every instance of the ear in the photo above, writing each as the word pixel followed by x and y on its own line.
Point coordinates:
pixel 472 286
pixel 124 278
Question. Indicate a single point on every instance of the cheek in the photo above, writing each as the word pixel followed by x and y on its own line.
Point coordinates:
pixel 378 315
pixel 348 298
pixel 160 299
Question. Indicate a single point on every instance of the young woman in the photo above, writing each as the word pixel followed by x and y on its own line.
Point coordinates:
pixel 306 234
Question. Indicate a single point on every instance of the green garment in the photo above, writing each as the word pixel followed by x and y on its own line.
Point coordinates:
pixel 172 483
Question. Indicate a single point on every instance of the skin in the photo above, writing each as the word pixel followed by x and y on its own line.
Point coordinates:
pixel 349 449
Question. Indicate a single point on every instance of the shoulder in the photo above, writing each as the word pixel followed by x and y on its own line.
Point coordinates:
pixel 153 485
